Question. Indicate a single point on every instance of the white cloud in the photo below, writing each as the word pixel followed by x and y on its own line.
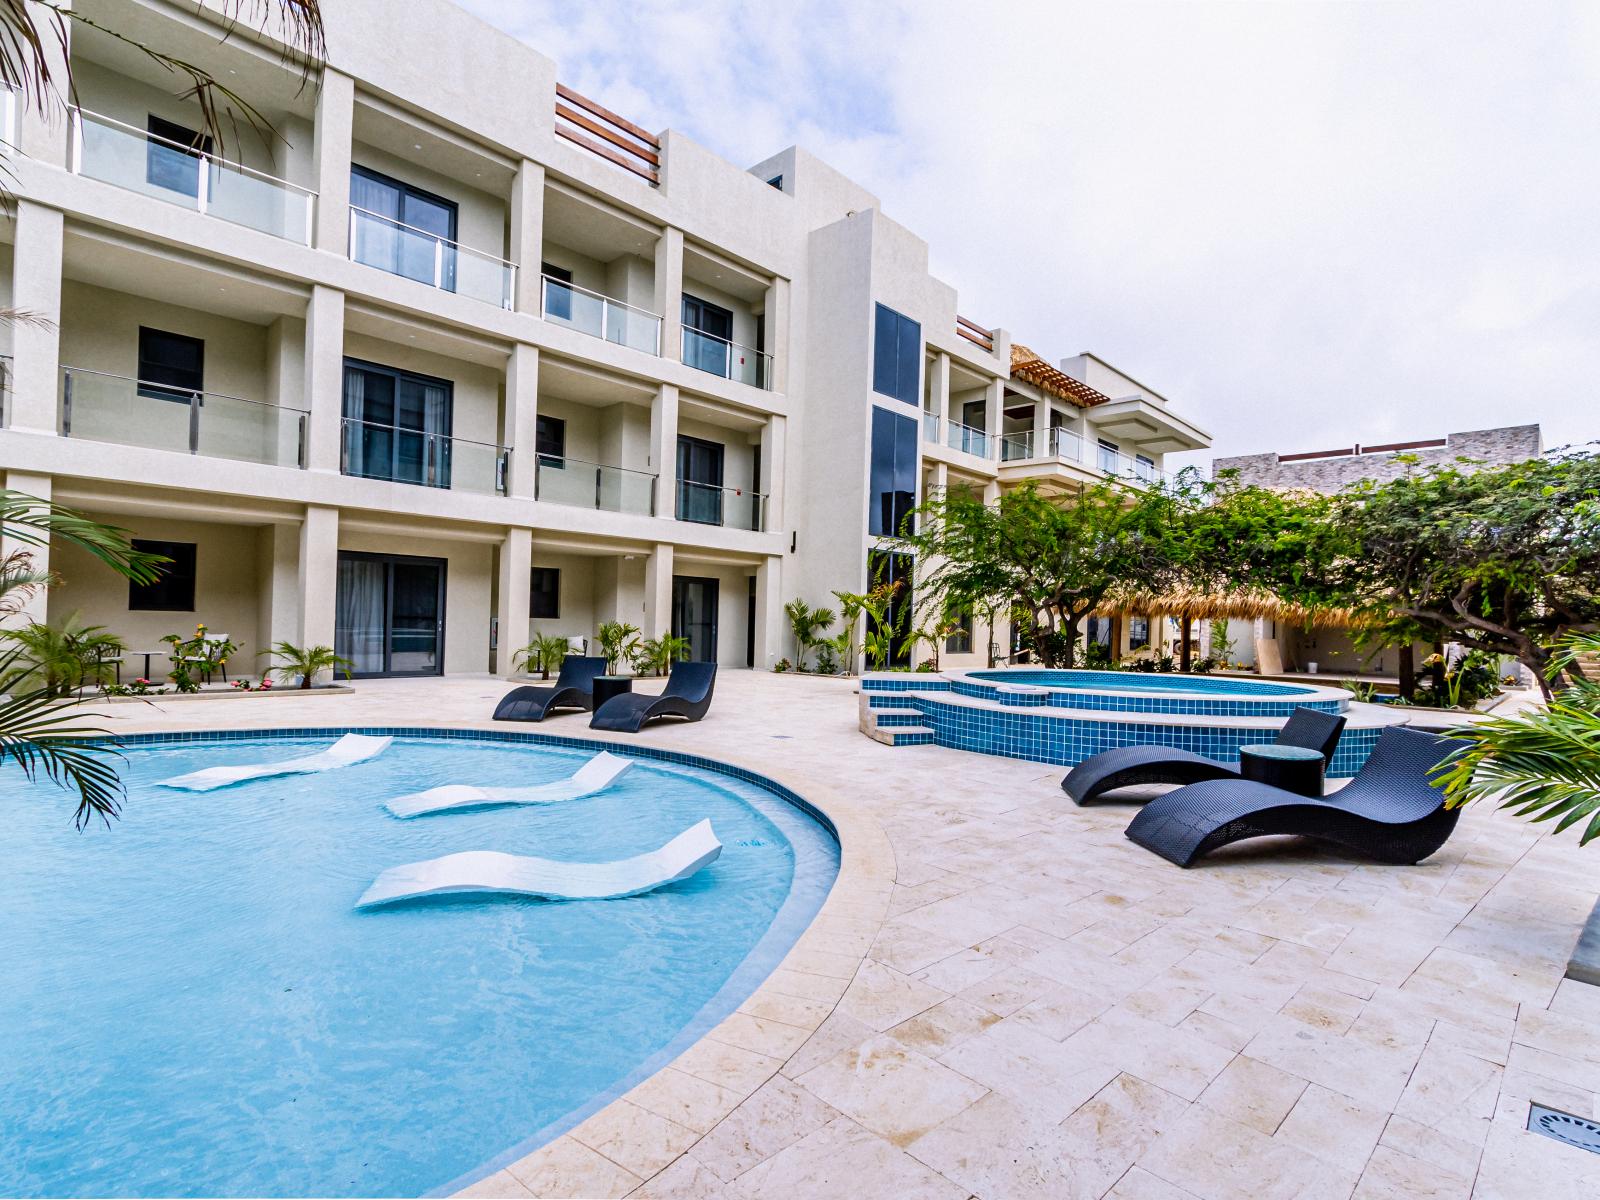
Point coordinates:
pixel 1308 224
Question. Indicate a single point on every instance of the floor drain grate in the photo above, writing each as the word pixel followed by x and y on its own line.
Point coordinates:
pixel 1564 1127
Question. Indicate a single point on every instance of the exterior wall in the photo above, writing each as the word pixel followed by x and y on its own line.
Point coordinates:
pixel 278 317
pixel 1497 447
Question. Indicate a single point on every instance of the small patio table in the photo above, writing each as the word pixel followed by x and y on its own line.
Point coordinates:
pixel 1296 769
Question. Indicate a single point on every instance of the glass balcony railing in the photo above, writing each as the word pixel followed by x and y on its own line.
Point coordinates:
pixel 1066 444
pixel 400 249
pixel 930 427
pixel 369 450
pixel 968 440
pixel 99 407
pixel 580 484
pixel 130 158
pixel 600 316
pixel 708 504
pixel 707 352
pixel 1016 446
pixel 1133 470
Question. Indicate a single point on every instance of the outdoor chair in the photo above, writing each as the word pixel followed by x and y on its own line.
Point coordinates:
pixel 1129 765
pixel 1390 811
pixel 210 659
pixel 687 695
pixel 574 689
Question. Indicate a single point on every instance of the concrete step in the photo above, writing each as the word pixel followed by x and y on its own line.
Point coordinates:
pixel 896 717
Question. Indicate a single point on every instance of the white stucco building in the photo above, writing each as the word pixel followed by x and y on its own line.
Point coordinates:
pixel 461 356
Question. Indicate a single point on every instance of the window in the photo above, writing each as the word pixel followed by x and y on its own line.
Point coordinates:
pixel 171 366
pixel 700 480
pixel 776 181
pixel 707 336
pixel 1138 632
pixel 173 161
pixel 557 299
pixel 396 425
pixel 897 356
pixel 550 442
pixel 400 229
pixel 1144 466
pixel 960 639
pixel 887 566
pixel 173 590
pixel 544 596
pixel 892 483
pixel 1099 631
pixel 1108 455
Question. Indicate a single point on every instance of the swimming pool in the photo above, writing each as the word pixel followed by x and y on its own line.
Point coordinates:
pixel 1136 681
pixel 192 1006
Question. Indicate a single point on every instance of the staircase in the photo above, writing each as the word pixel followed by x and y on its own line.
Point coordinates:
pixel 892 725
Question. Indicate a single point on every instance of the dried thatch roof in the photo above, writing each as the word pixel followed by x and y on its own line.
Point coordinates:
pixel 1030 368
pixel 1210 606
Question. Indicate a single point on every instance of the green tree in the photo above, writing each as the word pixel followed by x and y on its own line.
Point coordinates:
pixel 806 623
pixel 1503 559
pixel 37 731
pixel 1052 561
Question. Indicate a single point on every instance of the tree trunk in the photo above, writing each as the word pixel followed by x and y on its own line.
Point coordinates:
pixel 1408 673
pixel 1185 656
pixel 1438 671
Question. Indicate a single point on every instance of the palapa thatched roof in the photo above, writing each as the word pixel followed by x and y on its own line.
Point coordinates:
pixel 1237 605
pixel 1030 368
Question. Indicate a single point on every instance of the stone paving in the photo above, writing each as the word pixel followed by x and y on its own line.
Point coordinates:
pixel 1006 998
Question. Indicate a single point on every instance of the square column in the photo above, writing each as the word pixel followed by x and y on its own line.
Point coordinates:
pixel 939 391
pixel 940 481
pixel 319 574
pixel 669 291
pixel 1041 429
pixel 527 234
pixel 993 415
pixel 658 570
pixel 36 345
pixel 521 431
pixel 277 572
pixel 324 378
pixel 334 132
pixel 36 608
pixel 42 133
pixel 664 449
pixel 774 462
pixel 777 327
pixel 516 572
pixel 771 628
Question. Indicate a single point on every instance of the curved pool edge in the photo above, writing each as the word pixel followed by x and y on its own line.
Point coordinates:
pixel 635 1135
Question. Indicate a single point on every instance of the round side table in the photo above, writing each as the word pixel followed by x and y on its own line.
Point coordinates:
pixel 1292 768
pixel 607 686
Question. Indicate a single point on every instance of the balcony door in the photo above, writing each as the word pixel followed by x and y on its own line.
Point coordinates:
pixel 694 615
pixel 402 229
pixel 389 614
pixel 396 425
pixel 699 480
pixel 707 336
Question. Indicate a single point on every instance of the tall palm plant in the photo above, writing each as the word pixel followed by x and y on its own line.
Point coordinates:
pixel 307 662
pixel 36 731
pixel 1544 764
pixel 59 657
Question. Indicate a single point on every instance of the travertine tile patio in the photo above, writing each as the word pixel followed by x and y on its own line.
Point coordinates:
pixel 1006 998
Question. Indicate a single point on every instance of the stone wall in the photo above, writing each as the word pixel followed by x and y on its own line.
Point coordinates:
pixel 1330 472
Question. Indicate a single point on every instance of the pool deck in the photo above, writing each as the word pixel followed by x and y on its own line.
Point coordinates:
pixel 1003 997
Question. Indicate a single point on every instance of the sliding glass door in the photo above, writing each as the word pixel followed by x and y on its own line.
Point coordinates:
pixel 402 229
pixel 694 615
pixel 397 425
pixel 389 614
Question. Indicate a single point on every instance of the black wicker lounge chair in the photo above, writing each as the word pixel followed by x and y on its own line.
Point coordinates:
pixel 1129 765
pixel 687 695
pixel 574 688
pixel 1390 811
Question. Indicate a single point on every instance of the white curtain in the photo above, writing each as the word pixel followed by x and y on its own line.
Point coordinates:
pixel 355 402
pixel 359 614
pixel 377 243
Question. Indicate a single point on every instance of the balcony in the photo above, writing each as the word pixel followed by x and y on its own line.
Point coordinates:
pixel 579 484
pixel 965 438
pixel 400 249
pixel 599 316
pixel 129 158
pixel 1133 470
pixel 733 508
pixel 718 356
pixel 368 450
pixel 100 407
pixel 1016 447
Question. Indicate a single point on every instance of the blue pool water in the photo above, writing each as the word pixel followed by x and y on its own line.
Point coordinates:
pixel 191 1006
pixel 1137 681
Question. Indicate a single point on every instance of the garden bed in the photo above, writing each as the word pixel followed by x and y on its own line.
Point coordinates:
pixel 225 693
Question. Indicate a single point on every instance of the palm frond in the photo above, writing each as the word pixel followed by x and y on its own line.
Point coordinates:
pixel 34 522
pixel 1544 765
pixel 40 736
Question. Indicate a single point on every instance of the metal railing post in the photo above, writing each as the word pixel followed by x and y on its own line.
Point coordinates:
pixel 202 190
pixel 597 472
pixel 438 263
pixel 311 217
pixel 502 468
pixel 194 422
pixel 300 448
pixel 654 479
pixel 605 319
pixel 66 405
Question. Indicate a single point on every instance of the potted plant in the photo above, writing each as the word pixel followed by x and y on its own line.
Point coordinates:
pixel 306 662
pixel 617 640
pixel 655 656
pixel 545 653
pixel 60 659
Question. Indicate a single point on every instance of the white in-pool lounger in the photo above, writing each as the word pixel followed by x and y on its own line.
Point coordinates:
pixel 347 751
pixel 599 773
pixel 489 871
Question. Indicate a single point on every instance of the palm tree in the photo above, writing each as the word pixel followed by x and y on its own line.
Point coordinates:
pixel 1545 764
pixel 309 661
pixel 35 731
pixel 59 658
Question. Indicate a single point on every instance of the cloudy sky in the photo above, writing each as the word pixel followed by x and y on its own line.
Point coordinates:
pixel 1309 224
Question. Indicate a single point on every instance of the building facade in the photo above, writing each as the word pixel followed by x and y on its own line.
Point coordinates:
pixel 433 366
